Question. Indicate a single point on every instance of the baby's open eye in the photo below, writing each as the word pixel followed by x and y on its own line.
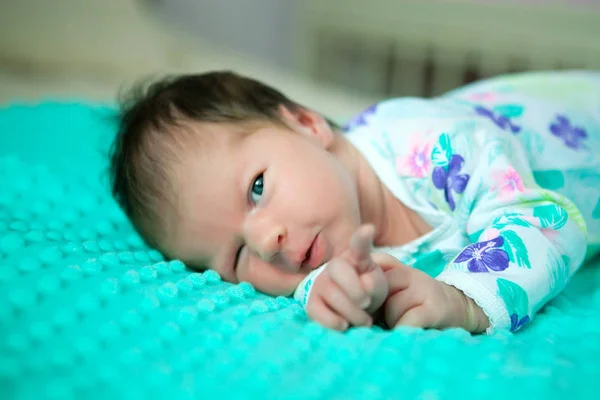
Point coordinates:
pixel 256 190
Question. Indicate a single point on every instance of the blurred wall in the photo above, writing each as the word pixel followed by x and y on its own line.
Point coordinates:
pixel 260 28
pixel 89 49
pixel 426 47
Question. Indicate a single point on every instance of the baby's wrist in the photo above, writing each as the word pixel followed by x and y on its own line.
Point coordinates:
pixel 475 319
pixel 304 288
pixel 466 313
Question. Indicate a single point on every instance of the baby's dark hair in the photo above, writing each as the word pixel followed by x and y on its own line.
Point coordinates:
pixel 148 142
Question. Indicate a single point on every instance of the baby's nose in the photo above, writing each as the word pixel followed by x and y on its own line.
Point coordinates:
pixel 264 236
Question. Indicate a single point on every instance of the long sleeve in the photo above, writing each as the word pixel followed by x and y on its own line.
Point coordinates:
pixel 525 242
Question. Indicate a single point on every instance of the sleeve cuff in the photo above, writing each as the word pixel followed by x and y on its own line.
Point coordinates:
pixel 491 304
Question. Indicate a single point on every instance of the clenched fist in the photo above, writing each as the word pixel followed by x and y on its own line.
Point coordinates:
pixel 416 299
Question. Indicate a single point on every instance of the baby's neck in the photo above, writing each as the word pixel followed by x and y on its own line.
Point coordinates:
pixel 399 223
pixel 395 223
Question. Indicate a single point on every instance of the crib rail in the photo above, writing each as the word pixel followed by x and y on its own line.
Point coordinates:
pixel 424 48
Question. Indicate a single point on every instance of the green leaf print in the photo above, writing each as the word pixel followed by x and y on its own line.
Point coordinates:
pixel 515 298
pixel 550 180
pixel 380 150
pixel 575 215
pixel 509 219
pixel 516 250
pixel 520 222
pixel 468 202
pixel 431 263
pixel 570 208
pixel 442 151
pixel 509 110
pixel 551 216
pixel 496 150
pixel 559 273
pixel 596 212
pixel 532 142
pixel 388 144
pixel 474 237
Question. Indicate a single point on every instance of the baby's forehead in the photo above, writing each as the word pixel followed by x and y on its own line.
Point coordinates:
pixel 215 142
pixel 204 181
pixel 210 164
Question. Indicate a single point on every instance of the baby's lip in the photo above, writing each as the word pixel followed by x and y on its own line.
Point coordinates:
pixel 312 256
pixel 297 258
pixel 315 253
pixel 300 258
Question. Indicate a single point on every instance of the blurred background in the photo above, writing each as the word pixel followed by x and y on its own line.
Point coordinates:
pixel 336 56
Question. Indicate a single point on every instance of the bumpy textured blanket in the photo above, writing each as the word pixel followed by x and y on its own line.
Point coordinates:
pixel 87 311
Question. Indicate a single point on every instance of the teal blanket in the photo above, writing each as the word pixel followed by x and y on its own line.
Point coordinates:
pixel 87 311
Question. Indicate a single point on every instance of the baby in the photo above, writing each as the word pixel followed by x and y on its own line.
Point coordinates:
pixel 469 210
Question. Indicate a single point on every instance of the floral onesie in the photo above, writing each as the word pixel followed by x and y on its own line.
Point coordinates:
pixel 506 172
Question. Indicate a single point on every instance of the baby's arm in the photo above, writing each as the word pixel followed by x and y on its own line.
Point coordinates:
pixel 526 242
pixel 417 299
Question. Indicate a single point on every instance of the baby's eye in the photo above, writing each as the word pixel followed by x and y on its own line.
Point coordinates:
pixel 256 190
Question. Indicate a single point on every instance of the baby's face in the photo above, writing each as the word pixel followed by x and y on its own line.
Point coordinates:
pixel 265 208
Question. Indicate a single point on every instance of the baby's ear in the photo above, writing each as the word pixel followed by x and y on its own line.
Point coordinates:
pixel 310 123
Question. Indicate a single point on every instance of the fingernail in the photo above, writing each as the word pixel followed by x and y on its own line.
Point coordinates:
pixel 365 303
pixel 344 326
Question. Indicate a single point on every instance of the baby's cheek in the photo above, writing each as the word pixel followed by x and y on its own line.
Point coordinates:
pixel 244 273
pixel 269 279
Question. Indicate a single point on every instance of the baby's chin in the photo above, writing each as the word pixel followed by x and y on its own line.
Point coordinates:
pixel 281 285
pixel 281 291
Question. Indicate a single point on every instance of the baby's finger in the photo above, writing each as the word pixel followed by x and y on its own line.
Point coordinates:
pixel 319 312
pixel 337 300
pixel 398 279
pixel 348 281
pixel 360 248
pixel 386 261
pixel 420 317
pixel 398 304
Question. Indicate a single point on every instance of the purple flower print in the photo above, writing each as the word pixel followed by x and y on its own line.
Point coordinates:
pixel 360 119
pixel 516 323
pixel 500 120
pixel 571 135
pixel 484 256
pixel 450 180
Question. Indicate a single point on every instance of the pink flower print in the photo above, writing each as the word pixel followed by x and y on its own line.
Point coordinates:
pixel 416 163
pixel 489 234
pixel 482 96
pixel 418 160
pixel 507 182
pixel 550 234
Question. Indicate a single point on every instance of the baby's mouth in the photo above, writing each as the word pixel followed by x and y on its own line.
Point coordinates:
pixel 307 255
pixel 314 254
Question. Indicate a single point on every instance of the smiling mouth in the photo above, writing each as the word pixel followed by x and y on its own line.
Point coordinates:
pixel 312 254
pixel 308 253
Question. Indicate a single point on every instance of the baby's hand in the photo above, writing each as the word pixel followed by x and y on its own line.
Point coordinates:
pixel 416 299
pixel 350 288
